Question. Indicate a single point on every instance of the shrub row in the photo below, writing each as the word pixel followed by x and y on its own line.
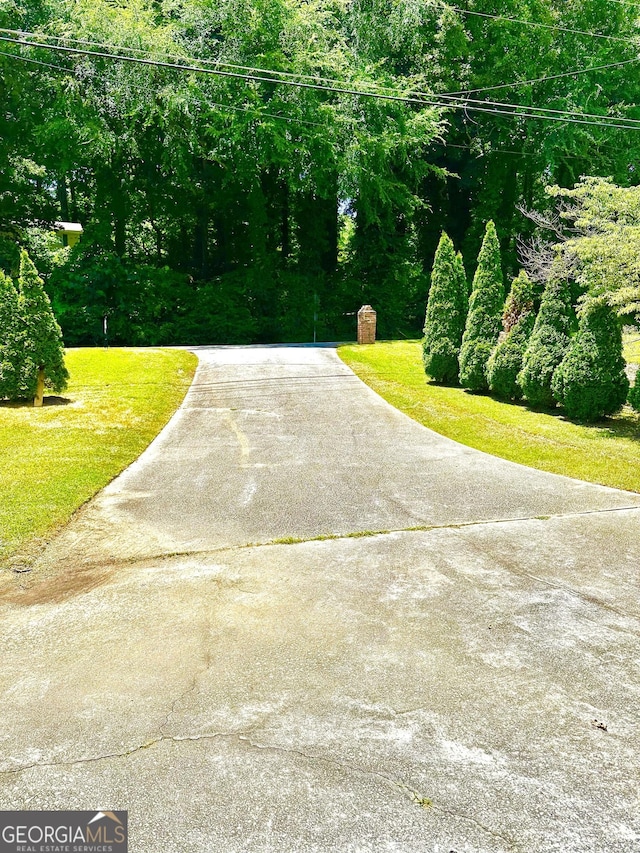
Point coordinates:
pixel 550 357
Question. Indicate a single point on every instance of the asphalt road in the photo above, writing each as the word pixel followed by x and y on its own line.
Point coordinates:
pixel 303 622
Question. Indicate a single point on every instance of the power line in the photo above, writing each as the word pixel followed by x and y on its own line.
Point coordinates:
pixel 425 98
pixel 542 79
pixel 512 110
pixel 501 151
pixel 549 110
pixel 298 75
pixel 333 82
pixel 258 112
pixel 176 56
pixel 625 3
pixel 556 27
pixel 257 77
pixel 36 62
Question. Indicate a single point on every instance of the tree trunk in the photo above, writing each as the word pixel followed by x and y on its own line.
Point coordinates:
pixel 38 400
pixel 63 197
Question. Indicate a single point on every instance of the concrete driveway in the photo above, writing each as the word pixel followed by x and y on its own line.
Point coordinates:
pixel 303 622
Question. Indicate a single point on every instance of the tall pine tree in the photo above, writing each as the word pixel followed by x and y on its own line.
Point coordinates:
pixel 484 320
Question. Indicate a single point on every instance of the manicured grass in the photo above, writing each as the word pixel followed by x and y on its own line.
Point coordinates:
pixel 56 458
pixel 607 452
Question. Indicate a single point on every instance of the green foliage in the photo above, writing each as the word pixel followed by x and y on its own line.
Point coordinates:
pixel 548 344
pixel 446 314
pixel 9 253
pixel 211 181
pixel 518 320
pixel 634 394
pixel 591 381
pixel 34 340
pixel 485 313
pixel 10 344
pixel 605 256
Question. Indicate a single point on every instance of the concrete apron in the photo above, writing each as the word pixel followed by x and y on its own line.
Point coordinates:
pixel 471 685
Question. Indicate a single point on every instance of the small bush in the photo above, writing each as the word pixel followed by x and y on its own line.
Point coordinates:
pixel 548 343
pixel 591 381
pixel 505 362
pixel 484 320
pixel 446 314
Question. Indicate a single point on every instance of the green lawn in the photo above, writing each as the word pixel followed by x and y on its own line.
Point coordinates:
pixel 56 458
pixel 632 348
pixel 607 452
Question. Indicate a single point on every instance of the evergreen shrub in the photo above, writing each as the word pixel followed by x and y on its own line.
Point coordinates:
pixel 10 344
pixel 634 394
pixel 548 343
pixel 30 338
pixel 446 314
pixel 505 362
pixel 484 320
pixel 591 381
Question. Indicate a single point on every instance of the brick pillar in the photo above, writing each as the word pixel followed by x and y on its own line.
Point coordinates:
pixel 366 325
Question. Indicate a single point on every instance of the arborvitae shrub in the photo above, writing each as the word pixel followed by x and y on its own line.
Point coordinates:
pixel 591 381
pixel 38 339
pixel 446 314
pixel 484 320
pixel 634 394
pixel 548 343
pixel 505 362
pixel 10 344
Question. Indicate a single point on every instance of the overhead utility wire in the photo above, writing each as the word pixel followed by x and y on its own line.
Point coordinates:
pixel 549 110
pixel 542 79
pixel 625 3
pixel 295 75
pixel 36 61
pixel 298 75
pixel 556 27
pixel 176 56
pixel 481 154
pixel 514 110
pixel 256 110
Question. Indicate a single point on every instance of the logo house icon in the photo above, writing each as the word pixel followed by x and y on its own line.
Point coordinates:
pixel 106 828
pixel 110 815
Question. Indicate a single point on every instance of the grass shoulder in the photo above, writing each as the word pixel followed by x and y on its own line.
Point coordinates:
pixel 605 452
pixel 57 457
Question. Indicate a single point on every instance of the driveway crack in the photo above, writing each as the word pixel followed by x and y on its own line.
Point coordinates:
pixel 465 817
pixel 148 744
pixel 396 784
pixel 195 678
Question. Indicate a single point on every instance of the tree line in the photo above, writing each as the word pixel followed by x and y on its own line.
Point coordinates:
pixel 234 209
